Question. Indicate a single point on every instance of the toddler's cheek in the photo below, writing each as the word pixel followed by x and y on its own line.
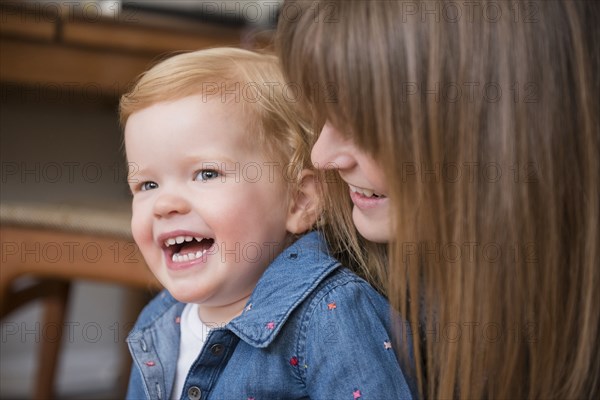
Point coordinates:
pixel 142 234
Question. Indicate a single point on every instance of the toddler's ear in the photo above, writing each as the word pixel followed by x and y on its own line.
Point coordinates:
pixel 305 204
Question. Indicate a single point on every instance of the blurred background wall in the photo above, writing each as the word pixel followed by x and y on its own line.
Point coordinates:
pixel 63 66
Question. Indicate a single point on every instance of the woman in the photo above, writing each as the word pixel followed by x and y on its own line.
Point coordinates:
pixel 468 134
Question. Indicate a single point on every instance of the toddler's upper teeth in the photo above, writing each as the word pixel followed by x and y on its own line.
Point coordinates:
pixel 367 192
pixel 181 239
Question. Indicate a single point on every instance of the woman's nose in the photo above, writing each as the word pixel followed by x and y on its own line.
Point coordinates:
pixel 170 203
pixel 332 150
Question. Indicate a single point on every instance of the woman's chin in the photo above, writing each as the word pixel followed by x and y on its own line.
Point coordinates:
pixel 372 228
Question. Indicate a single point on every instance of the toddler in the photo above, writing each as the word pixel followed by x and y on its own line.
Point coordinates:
pixel 224 209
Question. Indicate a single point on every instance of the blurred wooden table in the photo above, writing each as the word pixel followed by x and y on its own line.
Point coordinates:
pixel 65 47
pixel 50 247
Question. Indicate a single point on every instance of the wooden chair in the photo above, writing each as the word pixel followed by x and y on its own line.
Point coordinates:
pixel 54 246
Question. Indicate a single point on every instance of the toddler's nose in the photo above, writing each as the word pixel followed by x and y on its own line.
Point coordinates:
pixel 170 203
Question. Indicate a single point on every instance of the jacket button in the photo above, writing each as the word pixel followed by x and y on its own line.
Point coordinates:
pixel 194 393
pixel 217 349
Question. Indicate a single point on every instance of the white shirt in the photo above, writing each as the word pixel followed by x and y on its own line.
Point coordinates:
pixel 192 338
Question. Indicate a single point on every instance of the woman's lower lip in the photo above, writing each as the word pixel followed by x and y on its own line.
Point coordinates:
pixel 366 203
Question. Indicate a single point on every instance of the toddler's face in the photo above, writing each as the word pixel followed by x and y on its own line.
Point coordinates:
pixel 209 209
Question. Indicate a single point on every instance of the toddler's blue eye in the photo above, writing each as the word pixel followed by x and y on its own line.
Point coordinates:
pixel 148 185
pixel 207 174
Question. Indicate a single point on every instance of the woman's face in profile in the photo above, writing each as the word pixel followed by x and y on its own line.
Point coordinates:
pixel 365 179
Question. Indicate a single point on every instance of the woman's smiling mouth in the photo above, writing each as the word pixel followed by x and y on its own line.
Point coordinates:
pixel 364 192
pixel 366 198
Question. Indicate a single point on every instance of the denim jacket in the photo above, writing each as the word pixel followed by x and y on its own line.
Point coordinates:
pixel 311 329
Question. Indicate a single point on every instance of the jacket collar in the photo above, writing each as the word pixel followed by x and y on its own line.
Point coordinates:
pixel 290 279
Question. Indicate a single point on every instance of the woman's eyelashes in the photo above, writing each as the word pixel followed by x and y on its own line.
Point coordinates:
pixel 206 175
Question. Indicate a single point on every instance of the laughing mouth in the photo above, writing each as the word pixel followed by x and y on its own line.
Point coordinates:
pixel 366 192
pixel 187 248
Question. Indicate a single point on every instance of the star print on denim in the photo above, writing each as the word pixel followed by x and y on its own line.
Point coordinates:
pixel 356 394
pixel 294 361
pixel 271 325
pixel 150 363
pixel 178 320
pixel 387 345
pixel 331 306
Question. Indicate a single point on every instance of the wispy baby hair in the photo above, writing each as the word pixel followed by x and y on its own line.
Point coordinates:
pixel 230 75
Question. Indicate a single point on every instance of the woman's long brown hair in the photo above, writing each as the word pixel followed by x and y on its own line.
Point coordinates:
pixel 485 118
